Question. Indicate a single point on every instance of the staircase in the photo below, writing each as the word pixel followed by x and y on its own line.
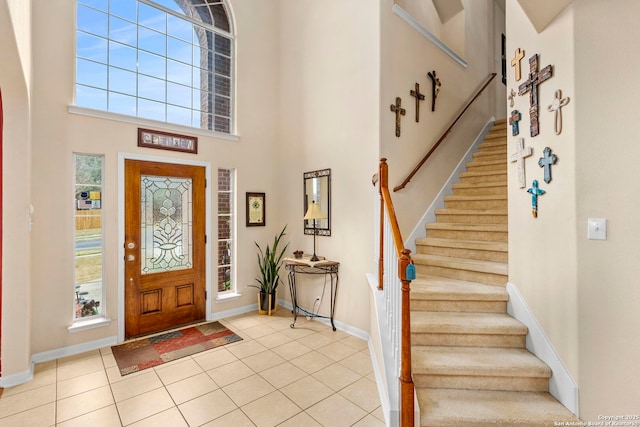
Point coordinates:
pixel 470 365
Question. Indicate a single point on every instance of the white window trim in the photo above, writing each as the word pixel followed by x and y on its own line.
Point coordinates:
pixel 121 191
pixel 90 112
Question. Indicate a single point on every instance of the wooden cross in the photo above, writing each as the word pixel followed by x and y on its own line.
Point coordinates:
pixel 511 97
pixel 556 105
pixel 419 97
pixel 435 88
pixel 515 62
pixel 535 192
pixel 397 108
pixel 513 121
pixel 531 85
pixel 546 162
pixel 519 157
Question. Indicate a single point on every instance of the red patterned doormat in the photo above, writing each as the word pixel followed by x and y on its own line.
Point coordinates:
pixel 143 353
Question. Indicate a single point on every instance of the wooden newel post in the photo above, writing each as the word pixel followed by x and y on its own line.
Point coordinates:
pixel 406 378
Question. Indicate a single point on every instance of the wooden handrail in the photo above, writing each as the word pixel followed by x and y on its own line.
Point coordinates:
pixel 407 387
pixel 444 135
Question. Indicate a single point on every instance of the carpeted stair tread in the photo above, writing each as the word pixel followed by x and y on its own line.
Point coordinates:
pixel 500 228
pixel 477 362
pixel 465 323
pixel 445 288
pixel 484 197
pixel 482 245
pixel 477 408
pixel 474 174
pixel 491 267
pixel 483 162
pixel 478 185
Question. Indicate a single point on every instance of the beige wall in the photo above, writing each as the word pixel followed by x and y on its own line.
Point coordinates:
pixel 329 77
pixel 584 292
pixel 607 185
pixel 542 251
pixel 16 290
pixel 406 57
pixel 294 69
pixel 57 134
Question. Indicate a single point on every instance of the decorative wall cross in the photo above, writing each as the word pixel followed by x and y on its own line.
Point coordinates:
pixel 435 88
pixel 531 85
pixel 546 162
pixel 397 108
pixel 556 105
pixel 511 97
pixel 519 157
pixel 513 121
pixel 419 97
pixel 535 192
pixel 515 62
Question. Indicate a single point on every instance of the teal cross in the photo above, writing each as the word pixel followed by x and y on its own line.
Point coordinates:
pixel 535 192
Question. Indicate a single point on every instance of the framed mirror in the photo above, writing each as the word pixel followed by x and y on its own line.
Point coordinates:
pixel 317 188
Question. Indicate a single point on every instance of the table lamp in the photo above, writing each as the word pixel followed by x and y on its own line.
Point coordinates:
pixel 314 213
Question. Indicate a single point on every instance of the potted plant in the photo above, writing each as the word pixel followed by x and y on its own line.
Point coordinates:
pixel 269 262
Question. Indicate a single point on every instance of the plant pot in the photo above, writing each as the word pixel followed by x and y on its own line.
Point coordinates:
pixel 267 303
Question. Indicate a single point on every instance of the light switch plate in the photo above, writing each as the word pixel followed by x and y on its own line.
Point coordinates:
pixel 597 229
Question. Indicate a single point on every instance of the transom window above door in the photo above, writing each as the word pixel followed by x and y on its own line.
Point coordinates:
pixel 164 60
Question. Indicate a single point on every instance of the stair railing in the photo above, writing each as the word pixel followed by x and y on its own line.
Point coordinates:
pixel 395 259
pixel 444 135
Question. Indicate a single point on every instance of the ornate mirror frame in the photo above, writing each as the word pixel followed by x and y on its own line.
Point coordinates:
pixel 317 187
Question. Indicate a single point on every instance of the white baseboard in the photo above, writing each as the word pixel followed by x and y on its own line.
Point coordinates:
pixel 71 350
pixel 45 356
pixel 17 378
pixel 561 385
pixel 438 202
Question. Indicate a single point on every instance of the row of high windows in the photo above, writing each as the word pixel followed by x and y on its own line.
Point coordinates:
pixel 165 60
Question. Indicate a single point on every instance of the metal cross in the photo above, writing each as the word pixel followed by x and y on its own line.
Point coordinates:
pixel 519 157
pixel 513 121
pixel 419 97
pixel 511 96
pixel 545 162
pixel 515 62
pixel 535 192
pixel 556 105
pixel 531 85
pixel 397 108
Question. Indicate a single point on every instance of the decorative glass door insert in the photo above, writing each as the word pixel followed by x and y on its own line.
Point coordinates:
pixel 166 222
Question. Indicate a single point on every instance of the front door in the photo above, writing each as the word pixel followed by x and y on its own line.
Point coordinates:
pixel 164 246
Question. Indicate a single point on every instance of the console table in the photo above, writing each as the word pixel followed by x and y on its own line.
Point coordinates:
pixel 303 265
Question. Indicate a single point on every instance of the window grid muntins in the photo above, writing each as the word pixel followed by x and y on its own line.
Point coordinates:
pixel 153 64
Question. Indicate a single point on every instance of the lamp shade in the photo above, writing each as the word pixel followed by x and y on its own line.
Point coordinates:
pixel 313 212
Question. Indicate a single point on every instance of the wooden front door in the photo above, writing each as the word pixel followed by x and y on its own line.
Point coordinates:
pixel 164 246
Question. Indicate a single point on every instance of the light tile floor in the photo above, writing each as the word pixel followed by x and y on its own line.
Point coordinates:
pixel 277 376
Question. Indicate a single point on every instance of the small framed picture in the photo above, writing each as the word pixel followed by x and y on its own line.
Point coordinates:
pixel 255 209
pixel 167 141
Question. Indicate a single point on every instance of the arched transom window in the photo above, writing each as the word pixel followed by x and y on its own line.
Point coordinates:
pixel 165 60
